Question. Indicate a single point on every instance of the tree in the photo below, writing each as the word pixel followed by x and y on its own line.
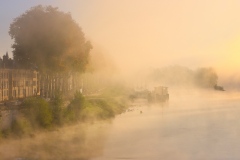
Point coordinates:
pixel 183 76
pixel 206 77
pixel 50 40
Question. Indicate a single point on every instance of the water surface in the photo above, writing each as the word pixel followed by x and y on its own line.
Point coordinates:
pixel 198 125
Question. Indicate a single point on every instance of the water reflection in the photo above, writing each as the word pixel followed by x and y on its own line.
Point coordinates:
pixel 197 126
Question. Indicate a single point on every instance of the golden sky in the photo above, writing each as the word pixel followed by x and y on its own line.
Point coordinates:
pixel 140 33
pixel 156 33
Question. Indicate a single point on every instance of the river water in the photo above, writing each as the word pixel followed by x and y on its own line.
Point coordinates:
pixel 192 126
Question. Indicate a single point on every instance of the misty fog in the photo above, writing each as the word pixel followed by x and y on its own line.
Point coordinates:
pixel 193 125
pixel 81 141
pixel 124 49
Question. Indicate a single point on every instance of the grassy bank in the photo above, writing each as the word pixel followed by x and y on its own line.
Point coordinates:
pixel 39 114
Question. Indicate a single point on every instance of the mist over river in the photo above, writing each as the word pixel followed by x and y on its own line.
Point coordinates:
pixel 193 125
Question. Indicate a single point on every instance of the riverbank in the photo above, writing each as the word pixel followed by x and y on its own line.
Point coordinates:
pixel 37 114
pixel 44 130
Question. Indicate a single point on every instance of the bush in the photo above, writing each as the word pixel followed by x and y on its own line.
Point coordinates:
pixel 73 110
pixel 57 110
pixel 92 109
pixel 107 110
pixel 44 114
pixel 38 112
pixel 90 112
pixel 118 106
pixel 20 126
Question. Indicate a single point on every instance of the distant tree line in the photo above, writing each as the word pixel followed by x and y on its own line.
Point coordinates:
pixel 183 76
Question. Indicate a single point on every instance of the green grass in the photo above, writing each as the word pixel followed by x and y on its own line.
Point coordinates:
pixel 37 113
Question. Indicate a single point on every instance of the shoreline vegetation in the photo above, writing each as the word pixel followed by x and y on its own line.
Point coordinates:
pixel 38 114
pixel 56 129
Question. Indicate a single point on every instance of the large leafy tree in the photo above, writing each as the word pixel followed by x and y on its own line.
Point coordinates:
pixel 50 40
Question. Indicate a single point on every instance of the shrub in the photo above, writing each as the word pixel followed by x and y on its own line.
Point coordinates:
pixel 73 110
pixel 90 112
pixel 44 114
pixel 107 110
pixel 20 126
pixel 38 112
pixel 57 110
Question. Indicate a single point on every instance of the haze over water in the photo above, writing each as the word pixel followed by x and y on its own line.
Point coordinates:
pixel 132 35
pixel 193 125
pixel 198 125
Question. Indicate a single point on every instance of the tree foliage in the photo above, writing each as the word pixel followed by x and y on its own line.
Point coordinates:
pixel 183 76
pixel 57 109
pixel 50 40
pixel 206 77
pixel 38 111
pixel 174 75
pixel 75 107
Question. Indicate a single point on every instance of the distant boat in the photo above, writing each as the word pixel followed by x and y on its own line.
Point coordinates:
pixel 159 94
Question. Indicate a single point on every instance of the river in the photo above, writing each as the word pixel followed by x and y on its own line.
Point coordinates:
pixel 193 125
pixel 196 125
